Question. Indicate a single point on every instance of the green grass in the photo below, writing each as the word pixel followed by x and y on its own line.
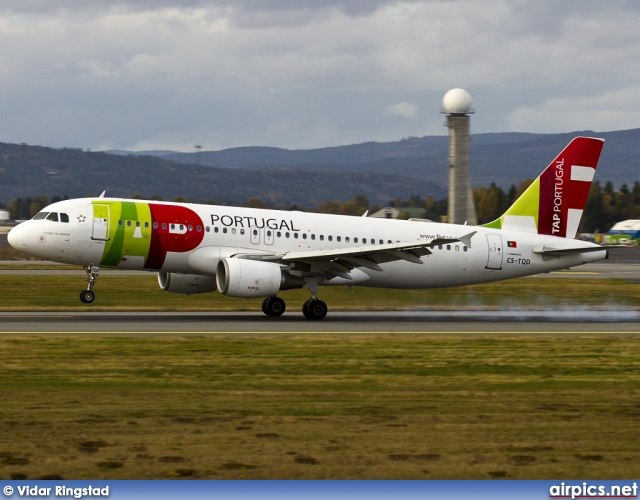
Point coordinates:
pixel 332 407
pixel 55 293
pixel 291 407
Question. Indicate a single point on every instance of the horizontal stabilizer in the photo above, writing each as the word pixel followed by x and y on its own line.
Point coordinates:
pixel 549 253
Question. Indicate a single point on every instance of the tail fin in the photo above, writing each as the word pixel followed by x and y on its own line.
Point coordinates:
pixel 554 203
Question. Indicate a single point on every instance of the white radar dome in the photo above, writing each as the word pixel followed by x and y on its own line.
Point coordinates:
pixel 457 102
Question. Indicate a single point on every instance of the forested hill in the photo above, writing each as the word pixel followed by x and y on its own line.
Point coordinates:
pixel 380 171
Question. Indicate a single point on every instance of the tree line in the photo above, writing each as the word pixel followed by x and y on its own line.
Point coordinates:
pixel 605 205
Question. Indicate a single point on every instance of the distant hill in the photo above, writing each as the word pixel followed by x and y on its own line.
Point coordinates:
pixel 380 171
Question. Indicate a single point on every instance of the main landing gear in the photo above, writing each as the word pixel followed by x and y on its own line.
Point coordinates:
pixel 273 306
pixel 313 309
pixel 87 296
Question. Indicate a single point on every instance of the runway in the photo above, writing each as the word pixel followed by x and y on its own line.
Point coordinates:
pixel 623 264
pixel 338 323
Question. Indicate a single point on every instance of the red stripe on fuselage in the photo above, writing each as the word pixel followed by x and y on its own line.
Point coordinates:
pixel 163 240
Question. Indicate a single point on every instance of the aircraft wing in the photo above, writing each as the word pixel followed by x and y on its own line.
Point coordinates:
pixel 339 261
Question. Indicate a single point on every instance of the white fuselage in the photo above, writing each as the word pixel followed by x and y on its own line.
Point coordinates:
pixel 196 244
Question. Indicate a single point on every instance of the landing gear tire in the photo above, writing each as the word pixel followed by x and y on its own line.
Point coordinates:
pixel 314 309
pixel 273 306
pixel 87 296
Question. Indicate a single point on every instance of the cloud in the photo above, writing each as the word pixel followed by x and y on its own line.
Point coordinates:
pixel 302 73
pixel 616 110
pixel 404 109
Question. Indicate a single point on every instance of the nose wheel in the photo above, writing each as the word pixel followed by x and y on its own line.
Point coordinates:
pixel 87 296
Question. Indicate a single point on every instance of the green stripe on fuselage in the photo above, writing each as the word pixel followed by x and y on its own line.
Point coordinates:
pixel 129 236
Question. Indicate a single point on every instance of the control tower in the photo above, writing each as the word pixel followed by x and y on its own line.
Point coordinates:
pixel 457 105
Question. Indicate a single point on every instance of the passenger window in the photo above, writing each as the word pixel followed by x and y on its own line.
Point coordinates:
pixel 207 229
pixel 164 225
pixel 295 235
pixel 382 242
pixel 64 218
pixel 304 236
pixel 215 229
pixel 119 223
pixel 355 240
pixel 322 237
pixel 330 238
pixel 338 238
pixel 173 226
pixel 53 216
pixel 146 225
pixel 286 235
pixel 190 227
pixel 224 230
pixel 313 236
pixel 269 233
pixel 241 231
pixel 199 229
pixel 279 234
pixel 181 227
pixel 346 239
pixel 464 249
pixel 155 225
pixel 448 247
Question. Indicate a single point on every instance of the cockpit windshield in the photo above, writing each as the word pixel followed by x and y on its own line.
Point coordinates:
pixel 52 216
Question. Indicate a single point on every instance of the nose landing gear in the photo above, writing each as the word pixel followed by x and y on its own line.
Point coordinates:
pixel 87 296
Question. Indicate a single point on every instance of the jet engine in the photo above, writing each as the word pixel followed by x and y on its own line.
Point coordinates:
pixel 186 283
pixel 248 278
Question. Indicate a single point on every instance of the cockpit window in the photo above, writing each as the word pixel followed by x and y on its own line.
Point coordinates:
pixel 64 217
pixel 40 215
pixel 53 216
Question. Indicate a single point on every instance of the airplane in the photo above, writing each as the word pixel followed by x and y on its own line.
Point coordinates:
pixel 249 252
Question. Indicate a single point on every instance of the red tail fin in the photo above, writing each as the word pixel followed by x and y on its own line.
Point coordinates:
pixel 564 187
pixel 554 202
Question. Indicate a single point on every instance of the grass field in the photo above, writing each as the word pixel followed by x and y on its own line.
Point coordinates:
pixel 54 293
pixel 308 407
pixel 304 407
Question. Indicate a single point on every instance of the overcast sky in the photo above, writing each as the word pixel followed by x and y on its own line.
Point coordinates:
pixel 170 74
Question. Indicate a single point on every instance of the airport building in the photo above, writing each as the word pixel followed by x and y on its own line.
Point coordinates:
pixel 626 232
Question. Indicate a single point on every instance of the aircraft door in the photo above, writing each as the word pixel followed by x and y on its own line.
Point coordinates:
pixel 495 252
pixel 100 222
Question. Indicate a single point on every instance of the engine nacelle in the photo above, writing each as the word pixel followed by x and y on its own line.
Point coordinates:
pixel 248 278
pixel 186 283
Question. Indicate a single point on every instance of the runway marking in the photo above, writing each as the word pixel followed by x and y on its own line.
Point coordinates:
pixel 352 333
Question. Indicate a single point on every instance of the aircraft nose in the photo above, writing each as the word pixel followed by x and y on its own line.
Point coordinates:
pixel 17 237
